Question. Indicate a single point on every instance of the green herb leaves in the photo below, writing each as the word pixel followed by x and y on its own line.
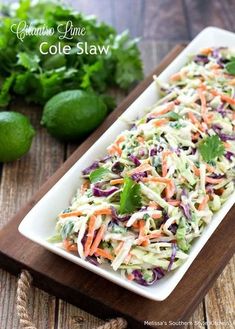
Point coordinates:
pixel 130 198
pixel 230 67
pixel 98 174
pixel 43 76
pixel 28 61
pixel 211 147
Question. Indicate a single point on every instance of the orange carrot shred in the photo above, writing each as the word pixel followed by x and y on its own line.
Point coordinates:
pixel 69 214
pixel 98 239
pixel 104 253
pixel 203 204
pixel 90 235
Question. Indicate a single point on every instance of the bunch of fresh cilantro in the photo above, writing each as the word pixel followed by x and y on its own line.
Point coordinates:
pixel 25 71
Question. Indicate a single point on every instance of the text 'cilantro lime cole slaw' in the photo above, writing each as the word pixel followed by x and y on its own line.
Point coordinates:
pixel 141 206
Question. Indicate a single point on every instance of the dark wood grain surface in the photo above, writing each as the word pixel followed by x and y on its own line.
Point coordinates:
pixel 160 24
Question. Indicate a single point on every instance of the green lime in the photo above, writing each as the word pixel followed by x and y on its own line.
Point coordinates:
pixel 73 114
pixel 16 134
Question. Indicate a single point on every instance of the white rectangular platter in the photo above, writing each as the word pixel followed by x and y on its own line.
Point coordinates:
pixel 39 223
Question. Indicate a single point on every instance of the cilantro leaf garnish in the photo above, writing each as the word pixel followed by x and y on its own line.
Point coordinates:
pixel 230 67
pixel 130 198
pixel 98 174
pixel 211 147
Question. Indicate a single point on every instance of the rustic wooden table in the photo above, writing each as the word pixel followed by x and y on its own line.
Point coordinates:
pixel 161 24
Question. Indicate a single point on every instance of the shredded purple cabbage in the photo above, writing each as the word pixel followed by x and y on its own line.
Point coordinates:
pixel 173 228
pixel 99 192
pixel 160 272
pixel 224 137
pixel 220 109
pixel 138 277
pixel 229 155
pixel 173 254
pixel 94 166
pixel 137 176
pixel 116 217
pixel 117 167
pixel 92 260
pixel 214 175
pixel 105 159
pixel 185 207
pixel 201 59
pixel 135 160
pixel 142 152
pixel 186 210
pixel 155 150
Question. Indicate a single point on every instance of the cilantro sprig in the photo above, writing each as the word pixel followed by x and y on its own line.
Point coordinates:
pixel 25 71
pixel 98 174
pixel 230 67
pixel 130 198
pixel 211 147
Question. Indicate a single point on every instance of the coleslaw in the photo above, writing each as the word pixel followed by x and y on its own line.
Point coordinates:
pixel 140 208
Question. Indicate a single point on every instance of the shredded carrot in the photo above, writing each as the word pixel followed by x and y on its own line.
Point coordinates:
pixel 142 167
pixel 227 145
pixel 135 224
pixel 140 139
pixel 103 253
pixel 169 107
pixel 193 119
pixel 164 162
pixel 215 66
pixel 104 211
pixel 69 214
pixel 160 122
pixel 156 216
pixel 98 239
pixel 175 76
pixel 196 171
pixel 195 136
pixel 70 246
pixel 213 180
pixel 90 235
pixel 206 51
pixel 170 189
pixel 145 243
pixel 203 204
pixel 153 204
pixel 118 248
pixel 203 104
pixel 210 117
pixel 232 82
pixel 141 231
pixel 84 187
pixel 120 140
pixel 174 203
pixel 224 97
pixel 114 149
pixel 210 168
pixel 130 277
pixel 117 181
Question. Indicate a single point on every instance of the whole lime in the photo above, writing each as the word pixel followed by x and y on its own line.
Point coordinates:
pixel 16 135
pixel 73 114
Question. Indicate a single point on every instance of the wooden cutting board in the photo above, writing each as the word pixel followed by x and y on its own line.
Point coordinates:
pixel 97 295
